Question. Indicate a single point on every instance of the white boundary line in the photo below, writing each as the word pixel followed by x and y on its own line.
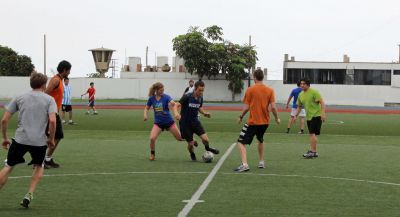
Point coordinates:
pixel 318 177
pixel 105 173
pixel 195 197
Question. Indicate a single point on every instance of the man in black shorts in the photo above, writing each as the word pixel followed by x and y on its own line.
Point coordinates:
pixel 189 124
pixel 36 110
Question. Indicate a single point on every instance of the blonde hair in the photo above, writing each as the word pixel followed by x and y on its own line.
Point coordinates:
pixel 155 87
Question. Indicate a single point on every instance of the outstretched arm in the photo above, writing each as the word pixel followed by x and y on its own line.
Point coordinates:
pixel 205 113
pixel 4 125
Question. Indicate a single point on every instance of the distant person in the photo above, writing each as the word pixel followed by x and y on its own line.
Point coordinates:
pixel 315 112
pixel 189 89
pixel 55 88
pixel 294 94
pixel 189 123
pixel 91 91
pixel 37 110
pixel 257 99
pixel 66 103
pixel 163 120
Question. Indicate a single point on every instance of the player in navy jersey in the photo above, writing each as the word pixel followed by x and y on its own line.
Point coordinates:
pixel 189 123
pixel 162 117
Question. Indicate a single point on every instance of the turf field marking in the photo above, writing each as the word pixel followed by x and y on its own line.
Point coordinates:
pixel 318 177
pixel 105 174
pixel 195 197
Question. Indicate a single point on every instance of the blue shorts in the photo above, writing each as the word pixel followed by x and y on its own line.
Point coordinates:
pixel 164 126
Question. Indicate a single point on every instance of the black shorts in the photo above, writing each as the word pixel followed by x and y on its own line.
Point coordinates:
pixel 91 103
pixel 59 130
pixel 188 129
pixel 17 151
pixel 163 126
pixel 249 131
pixel 66 108
pixel 314 125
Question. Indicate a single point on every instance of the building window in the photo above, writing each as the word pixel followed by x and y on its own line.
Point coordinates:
pixel 396 72
pixel 339 76
pixel 372 77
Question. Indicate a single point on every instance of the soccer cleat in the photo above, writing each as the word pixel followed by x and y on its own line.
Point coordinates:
pixel 26 200
pixel 242 168
pixel 51 164
pixel 152 157
pixel 71 123
pixel 193 156
pixel 95 113
pixel 87 112
pixel 261 164
pixel 301 132
pixel 310 154
pixel 213 150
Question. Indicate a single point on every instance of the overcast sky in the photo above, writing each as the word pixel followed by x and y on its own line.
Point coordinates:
pixel 308 29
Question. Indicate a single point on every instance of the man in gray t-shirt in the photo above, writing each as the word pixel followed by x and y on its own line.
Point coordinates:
pixel 35 110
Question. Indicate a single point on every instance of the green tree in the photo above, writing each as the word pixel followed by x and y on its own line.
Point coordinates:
pixel 235 69
pixel 12 64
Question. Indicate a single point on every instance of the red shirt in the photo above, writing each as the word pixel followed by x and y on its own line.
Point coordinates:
pixel 91 92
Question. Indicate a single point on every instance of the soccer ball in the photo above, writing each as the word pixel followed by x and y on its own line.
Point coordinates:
pixel 207 157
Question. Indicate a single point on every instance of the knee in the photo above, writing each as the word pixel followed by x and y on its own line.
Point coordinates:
pixel 153 139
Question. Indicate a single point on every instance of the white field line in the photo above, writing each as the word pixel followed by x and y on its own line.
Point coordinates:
pixel 318 177
pixel 105 173
pixel 195 197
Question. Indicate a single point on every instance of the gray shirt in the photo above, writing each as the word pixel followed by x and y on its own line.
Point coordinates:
pixel 34 108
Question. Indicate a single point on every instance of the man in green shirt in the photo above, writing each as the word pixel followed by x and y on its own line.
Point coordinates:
pixel 315 113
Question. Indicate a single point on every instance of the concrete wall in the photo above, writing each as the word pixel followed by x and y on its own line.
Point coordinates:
pixel 216 90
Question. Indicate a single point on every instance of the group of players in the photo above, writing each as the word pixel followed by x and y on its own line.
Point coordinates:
pixel 40 127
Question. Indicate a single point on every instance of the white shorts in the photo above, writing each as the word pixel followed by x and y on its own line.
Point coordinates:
pixel 302 113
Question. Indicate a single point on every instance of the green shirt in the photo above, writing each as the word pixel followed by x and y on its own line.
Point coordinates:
pixel 309 100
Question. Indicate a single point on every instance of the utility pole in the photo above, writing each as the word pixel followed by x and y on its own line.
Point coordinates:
pixel 249 81
pixel 44 54
pixel 147 52
pixel 399 53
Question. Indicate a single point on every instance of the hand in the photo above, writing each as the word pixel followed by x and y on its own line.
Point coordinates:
pixel 6 143
pixel 178 117
pixel 323 117
pixel 145 118
pixel 240 119
pixel 207 114
pixel 278 120
pixel 51 143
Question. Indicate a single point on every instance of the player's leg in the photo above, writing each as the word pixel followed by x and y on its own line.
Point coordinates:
pixel 206 142
pixel 4 173
pixel 302 116
pixel 314 127
pixel 173 129
pixel 260 131
pixel 245 138
pixel 49 161
pixel 154 133
pixel 290 123
pixel 15 156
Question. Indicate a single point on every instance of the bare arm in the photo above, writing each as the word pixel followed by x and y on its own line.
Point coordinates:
pixel 203 112
pixel 146 109
pixel 52 129
pixel 245 109
pixel 175 106
pixel 53 84
pixel 275 112
pixel 323 114
pixel 4 125
pixel 299 107
pixel 288 101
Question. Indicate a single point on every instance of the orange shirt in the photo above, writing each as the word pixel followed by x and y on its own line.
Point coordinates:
pixel 57 93
pixel 258 97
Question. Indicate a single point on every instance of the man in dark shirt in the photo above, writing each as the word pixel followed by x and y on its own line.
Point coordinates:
pixel 189 123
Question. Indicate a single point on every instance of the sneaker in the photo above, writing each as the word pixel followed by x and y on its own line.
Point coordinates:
pixel 301 132
pixel 51 164
pixel 213 150
pixel 193 156
pixel 310 154
pixel 261 164
pixel 95 113
pixel 88 113
pixel 27 199
pixel 242 168
pixel 152 157
pixel 71 123
pixel 63 121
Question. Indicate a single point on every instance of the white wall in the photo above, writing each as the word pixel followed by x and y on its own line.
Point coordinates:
pixel 216 90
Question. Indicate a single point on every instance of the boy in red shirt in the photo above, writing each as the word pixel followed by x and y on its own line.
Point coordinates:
pixel 91 91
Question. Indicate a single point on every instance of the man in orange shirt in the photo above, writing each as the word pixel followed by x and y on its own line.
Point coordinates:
pixel 258 100
pixel 55 88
